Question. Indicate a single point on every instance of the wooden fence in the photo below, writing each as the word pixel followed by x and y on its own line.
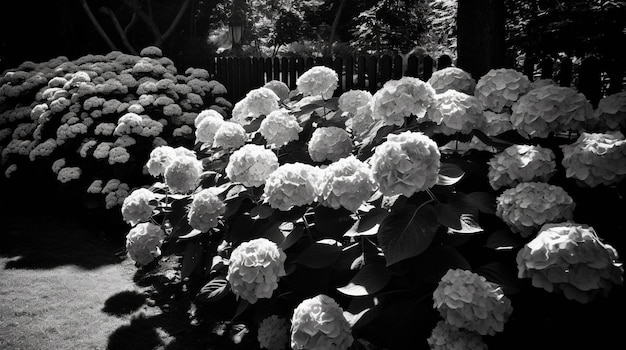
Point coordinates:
pixel 242 74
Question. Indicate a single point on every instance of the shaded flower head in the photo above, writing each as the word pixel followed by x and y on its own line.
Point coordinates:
pixel 292 184
pixel 448 337
pixel 255 268
pixel 569 258
pixel 329 143
pixel 406 163
pixel 273 333
pixel 181 175
pixel 521 163
pixel 500 88
pixel 205 210
pixel 529 205
pixel 456 112
pixel 467 300
pixel 452 78
pixel 143 242
pixel 611 111
pixel 318 323
pixel 251 165
pixel 346 183
pixel 596 158
pixel 280 89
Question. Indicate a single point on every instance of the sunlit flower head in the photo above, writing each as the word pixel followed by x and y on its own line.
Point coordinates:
pixel 279 128
pixel 138 206
pixel 329 143
pixel 292 184
pixel 401 98
pixel 521 163
pixel 318 323
pixel 452 78
pixel 500 88
pixel 346 183
pixel 251 165
pixel 318 81
pixel 456 112
pixel 143 242
pixel 205 210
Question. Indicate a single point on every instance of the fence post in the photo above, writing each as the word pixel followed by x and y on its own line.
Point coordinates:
pixel 246 77
pixel 428 68
pixel 276 68
pixel 565 72
pixel 529 67
pixel 284 70
pixel 372 72
pixel 385 69
pixel 300 66
pixel 397 67
pixel 268 69
pixel 444 61
pixel 338 67
pixel 292 72
pixel 589 80
pixel 615 72
pixel 547 68
pixel 412 66
pixel 361 72
pixel 349 72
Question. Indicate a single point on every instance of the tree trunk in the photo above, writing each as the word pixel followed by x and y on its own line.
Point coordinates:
pixel 480 36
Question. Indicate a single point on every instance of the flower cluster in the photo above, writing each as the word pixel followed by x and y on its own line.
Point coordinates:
pixel 257 102
pixel 452 78
pixel 273 333
pixel 611 111
pixel 251 165
pixel 205 210
pixel 521 163
pixel 551 109
pixel 456 112
pixel 143 242
pixel 596 158
pixel 529 205
pixel 571 259
pixel 138 206
pixel 467 300
pixel 279 128
pixel 406 163
pixel 448 337
pixel 254 269
pixel 292 184
pixel 401 98
pixel 500 88
pixel 330 143
pixel 318 81
pixel 346 183
pixel 181 175
pixel 358 105
pixel 318 323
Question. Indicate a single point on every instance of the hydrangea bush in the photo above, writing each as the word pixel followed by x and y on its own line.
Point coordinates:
pixel 97 118
pixel 413 217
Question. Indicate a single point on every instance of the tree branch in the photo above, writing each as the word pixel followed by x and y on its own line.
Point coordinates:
pixel 107 11
pixel 175 22
pixel 96 24
pixel 133 20
pixel 144 17
pixel 333 29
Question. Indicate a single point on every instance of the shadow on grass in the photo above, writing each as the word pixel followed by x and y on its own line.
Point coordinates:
pixel 124 303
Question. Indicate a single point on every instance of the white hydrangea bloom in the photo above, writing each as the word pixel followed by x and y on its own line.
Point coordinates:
pixel 329 143
pixel 181 175
pixel 205 210
pixel 230 136
pixel 206 113
pixel 68 174
pixel 318 323
pixel 448 337
pixel 251 165
pixel 570 258
pixel 354 101
pixel 527 206
pixel 496 123
pixel 292 184
pixel 521 163
pixel 406 163
pixel 160 158
pixel 105 129
pixel 596 158
pixel 254 269
pixel 346 183
pixel 138 206
pixel 116 197
pixel 456 112
pixel 500 88
pixel 279 128
pixel 95 187
pixel 118 155
pixel 182 131
pixel 318 81
pixel 550 109
pixel 401 98
pixel 43 149
pixel 257 102
pixel 452 78
pixel 10 170
pixel 143 242
pixel 273 333
pixel 611 111
pixel 129 123
pixel 207 125
pixel 280 89
pixel 467 300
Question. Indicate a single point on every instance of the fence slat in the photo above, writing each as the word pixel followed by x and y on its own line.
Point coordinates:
pixel 284 69
pixel 547 68
pixel 292 72
pixel 268 69
pixel 385 69
pixel 412 65
pixel 590 80
pixel 397 67
pixel 349 73
pixel 361 72
pixel 565 72
pixel 428 68
pixel 372 73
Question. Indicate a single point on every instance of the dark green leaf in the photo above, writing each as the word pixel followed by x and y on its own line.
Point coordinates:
pixel 485 202
pixel 238 332
pixel 332 223
pixel 503 275
pixel 371 279
pixel 214 290
pixel 368 224
pixel 468 225
pixel 191 234
pixel 261 212
pixel 241 307
pixel 448 215
pixel 191 258
pixel 449 174
pixel 318 255
pixel 407 232
pixel 504 239
pixel 254 125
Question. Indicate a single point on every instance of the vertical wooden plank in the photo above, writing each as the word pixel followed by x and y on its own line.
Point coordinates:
pixel 398 62
pixel 615 71
pixel 211 67
pixel 411 66
pixel 361 72
pixel 246 77
pixel 268 69
pixel 284 71
pixel 444 61
pixel 372 74
pixel 276 64
pixel 308 63
pixel 328 61
pixel 547 67
pixel 529 67
pixel 292 72
pixel 254 72
pixel 385 69
pixel 349 73
pixel 565 72
pixel 338 67
pixel 300 66
pixel 319 61
pixel 589 80
pixel 230 78
pixel 428 68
